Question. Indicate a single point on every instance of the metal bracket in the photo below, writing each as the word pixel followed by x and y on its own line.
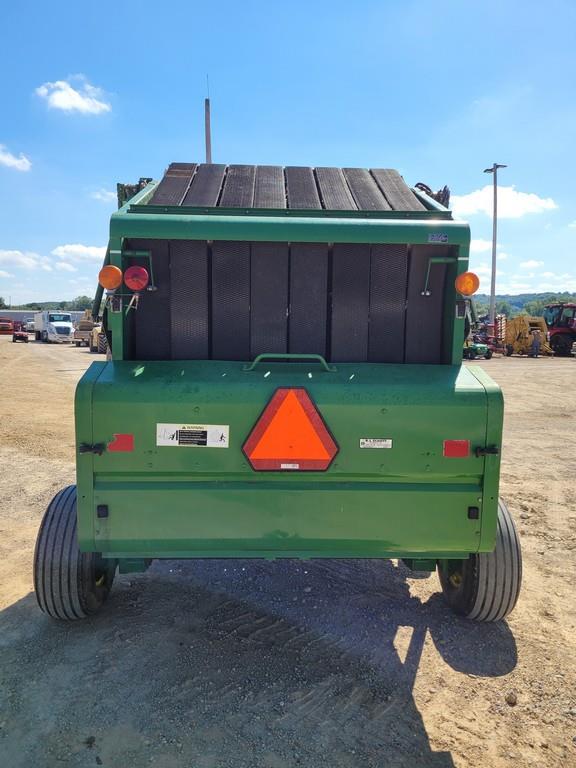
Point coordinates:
pixel 434 260
pixel 489 450
pixel 97 448
pixel 290 356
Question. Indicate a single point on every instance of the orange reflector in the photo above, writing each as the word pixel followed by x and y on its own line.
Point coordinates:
pixel 110 277
pixel 290 435
pixel 467 283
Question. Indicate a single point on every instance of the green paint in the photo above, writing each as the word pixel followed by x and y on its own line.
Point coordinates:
pixel 407 501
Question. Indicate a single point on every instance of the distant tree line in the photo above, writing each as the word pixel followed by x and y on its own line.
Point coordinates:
pixel 79 303
pixel 523 304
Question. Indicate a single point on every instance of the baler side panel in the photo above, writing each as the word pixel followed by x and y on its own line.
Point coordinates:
pixel 84 411
pixel 494 427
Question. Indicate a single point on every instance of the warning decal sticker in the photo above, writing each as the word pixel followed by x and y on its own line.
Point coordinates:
pixel 375 442
pixel 193 435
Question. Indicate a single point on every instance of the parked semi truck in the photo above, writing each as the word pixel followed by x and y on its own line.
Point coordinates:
pixel 286 381
pixel 53 326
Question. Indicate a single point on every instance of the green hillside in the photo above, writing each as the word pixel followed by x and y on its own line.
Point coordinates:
pixel 522 303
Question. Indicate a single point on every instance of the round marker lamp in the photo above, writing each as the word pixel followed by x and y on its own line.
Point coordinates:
pixel 136 278
pixel 467 283
pixel 110 277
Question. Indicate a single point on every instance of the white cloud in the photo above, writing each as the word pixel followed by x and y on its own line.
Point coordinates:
pixel 104 196
pixel 20 163
pixel 85 98
pixel 531 264
pixel 65 266
pixel 502 256
pixel 572 224
pixel 79 252
pixel 5 274
pixel 485 269
pixel 480 245
pixel 511 204
pixel 25 260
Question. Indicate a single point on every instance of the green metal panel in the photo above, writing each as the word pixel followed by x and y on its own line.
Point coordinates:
pixel 494 421
pixel 305 229
pixel 409 500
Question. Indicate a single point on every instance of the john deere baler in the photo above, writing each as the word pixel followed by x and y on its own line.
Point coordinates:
pixel 286 381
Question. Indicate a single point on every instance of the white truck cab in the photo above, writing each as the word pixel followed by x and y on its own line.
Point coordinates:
pixel 54 326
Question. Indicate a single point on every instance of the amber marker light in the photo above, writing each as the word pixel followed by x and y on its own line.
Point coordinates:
pixel 467 283
pixel 110 277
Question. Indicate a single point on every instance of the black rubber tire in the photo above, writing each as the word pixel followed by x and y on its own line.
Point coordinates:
pixel 69 584
pixel 561 343
pixel 509 350
pixel 37 335
pixel 488 355
pixel 102 343
pixel 44 337
pixel 485 587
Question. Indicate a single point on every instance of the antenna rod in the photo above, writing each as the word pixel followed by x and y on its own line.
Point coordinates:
pixel 207 130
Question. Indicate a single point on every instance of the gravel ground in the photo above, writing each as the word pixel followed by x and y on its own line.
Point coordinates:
pixel 211 664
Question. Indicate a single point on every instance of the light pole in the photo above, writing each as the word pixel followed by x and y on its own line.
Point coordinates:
pixel 494 171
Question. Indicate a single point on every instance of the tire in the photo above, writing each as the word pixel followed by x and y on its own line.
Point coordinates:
pixel 44 337
pixel 78 343
pixel 485 587
pixel 509 350
pixel 37 335
pixel 69 584
pixel 102 343
pixel 488 355
pixel 561 343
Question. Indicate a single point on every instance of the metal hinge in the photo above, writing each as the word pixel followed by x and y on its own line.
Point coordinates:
pixel 489 450
pixel 97 448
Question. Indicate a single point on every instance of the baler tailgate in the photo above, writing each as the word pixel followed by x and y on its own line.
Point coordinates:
pixel 201 436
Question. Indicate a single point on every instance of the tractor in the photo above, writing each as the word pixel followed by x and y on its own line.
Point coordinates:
pixel 561 321
pixel 285 381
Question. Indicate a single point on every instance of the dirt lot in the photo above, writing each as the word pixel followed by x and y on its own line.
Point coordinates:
pixel 214 664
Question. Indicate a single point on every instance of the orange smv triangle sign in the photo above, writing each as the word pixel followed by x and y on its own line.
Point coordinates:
pixel 290 435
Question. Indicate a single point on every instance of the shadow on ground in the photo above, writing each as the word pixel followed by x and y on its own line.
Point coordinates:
pixel 250 664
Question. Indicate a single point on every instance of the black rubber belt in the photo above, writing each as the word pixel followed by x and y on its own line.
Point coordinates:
pixel 238 191
pixel 301 188
pixel 336 195
pixel 206 185
pixel 173 187
pixel 366 193
pixel 269 189
pixel 396 191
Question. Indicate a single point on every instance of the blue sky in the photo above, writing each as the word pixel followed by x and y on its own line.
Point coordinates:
pixel 95 93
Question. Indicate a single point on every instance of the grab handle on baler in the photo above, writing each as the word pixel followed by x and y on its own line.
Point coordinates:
pixel 290 356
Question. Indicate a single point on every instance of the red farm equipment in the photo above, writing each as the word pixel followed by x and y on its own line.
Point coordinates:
pixel 6 326
pixel 561 321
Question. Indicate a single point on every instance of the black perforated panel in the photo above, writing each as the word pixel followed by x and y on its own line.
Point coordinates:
pixel 347 302
pixel 269 298
pixel 189 299
pixel 350 301
pixel 388 273
pixel 230 301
